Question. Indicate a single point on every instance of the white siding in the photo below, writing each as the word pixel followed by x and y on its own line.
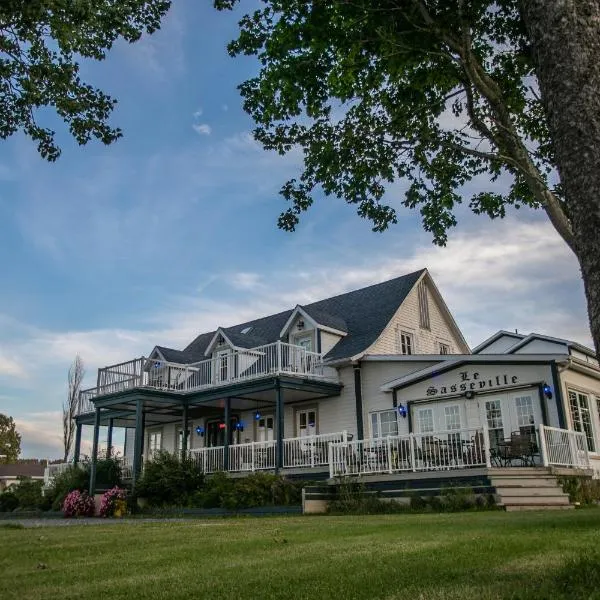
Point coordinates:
pixel 501 345
pixel 426 340
pixel 543 347
pixel 328 341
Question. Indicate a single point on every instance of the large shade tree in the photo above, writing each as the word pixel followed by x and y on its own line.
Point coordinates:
pixel 435 93
pixel 10 440
pixel 42 43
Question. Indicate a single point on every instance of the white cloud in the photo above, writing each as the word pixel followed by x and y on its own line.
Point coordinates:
pixel 197 113
pixel 202 128
pixel 244 281
pixel 10 367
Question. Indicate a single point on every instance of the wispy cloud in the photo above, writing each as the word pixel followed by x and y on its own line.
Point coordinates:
pixel 202 128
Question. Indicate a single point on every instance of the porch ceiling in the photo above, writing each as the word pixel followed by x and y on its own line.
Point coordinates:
pixel 167 407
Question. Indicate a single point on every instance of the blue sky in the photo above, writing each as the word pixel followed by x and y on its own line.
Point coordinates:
pixel 172 231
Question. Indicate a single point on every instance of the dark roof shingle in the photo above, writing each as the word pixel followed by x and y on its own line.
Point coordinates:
pixel 362 314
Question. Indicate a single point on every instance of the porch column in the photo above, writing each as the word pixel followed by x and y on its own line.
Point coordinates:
pixel 279 427
pixel 227 425
pixel 358 401
pixel 94 452
pixel 109 438
pixel 185 425
pixel 77 448
pixel 138 445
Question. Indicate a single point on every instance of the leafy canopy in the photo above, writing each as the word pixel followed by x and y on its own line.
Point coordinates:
pixel 10 440
pixel 41 42
pixel 431 93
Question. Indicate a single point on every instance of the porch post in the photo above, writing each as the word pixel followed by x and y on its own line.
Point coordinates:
pixel 358 401
pixel 226 438
pixel 138 445
pixel 109 438
pixel 185 424
pixel 77 449
pixel 280 427
pixel 94 452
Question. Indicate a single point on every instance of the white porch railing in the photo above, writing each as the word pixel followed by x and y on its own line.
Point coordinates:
pixel 564 448
pixel 433 451
pixel 209 460
pixel 51 471
pixel 310 451
pixel 236 366
pixel 254 456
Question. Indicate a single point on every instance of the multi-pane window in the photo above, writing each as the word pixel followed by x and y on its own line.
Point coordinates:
pixel 425 420
pixel 581 416
pixel 384 423
pixel 444 348
pixel 452 414
pixel 154 442
pixel 265 429
pixel 306 422
pixel 423 306
pixel 524 406
pixel 406 342
pixel 493 413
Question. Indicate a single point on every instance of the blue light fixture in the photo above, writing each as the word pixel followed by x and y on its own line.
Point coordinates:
pixel 547 391
pixel 157 365
pixel 200 431
pixel 257 415
pixel 402 411
pixel 240 425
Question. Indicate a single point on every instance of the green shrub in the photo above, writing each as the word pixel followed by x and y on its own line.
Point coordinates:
pixel 352 498
pixel 29 493
pixel 583 490
pixel 108 473
pixel 8 501
pixel 169 480
pixel 257 489
pixel 457 499
pixel 73 478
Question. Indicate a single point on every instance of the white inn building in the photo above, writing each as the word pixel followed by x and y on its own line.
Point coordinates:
pixel 377 382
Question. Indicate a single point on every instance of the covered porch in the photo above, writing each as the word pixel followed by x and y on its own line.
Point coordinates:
pixel 215 426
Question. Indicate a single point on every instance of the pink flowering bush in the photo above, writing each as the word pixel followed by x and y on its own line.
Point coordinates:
pixel 78 504
pixel 113 503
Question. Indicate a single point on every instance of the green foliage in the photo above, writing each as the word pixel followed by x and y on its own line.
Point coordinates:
pixel 8 501
pixel 169 480
pixel 41 41
pixel 10 439
pixel 108 473
pixel 352 498
pixel 257 489
pixel 429 94
pixel 582 490
pixel 73 478
pixel 29 494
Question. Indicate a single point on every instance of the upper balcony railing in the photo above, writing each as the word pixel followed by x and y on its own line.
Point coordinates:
pixel 236 366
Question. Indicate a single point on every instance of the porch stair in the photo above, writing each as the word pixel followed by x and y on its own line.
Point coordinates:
pixel 519 489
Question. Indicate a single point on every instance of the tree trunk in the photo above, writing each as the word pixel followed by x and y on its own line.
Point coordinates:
pixel 565 38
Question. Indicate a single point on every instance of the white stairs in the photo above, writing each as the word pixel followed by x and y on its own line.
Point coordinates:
pixel 525 488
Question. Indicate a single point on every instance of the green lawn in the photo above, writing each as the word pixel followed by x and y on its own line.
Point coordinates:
pixel 467 555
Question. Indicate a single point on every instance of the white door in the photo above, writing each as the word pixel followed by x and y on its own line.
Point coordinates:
pixel 306 422
pixel 265 429
pixel 223 366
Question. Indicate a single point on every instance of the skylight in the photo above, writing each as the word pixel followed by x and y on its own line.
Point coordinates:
pixel 246 330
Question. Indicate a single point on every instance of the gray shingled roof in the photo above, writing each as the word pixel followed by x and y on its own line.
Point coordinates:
pixel 362 313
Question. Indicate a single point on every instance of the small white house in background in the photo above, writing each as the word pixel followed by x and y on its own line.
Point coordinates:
pixel 11 474
pixel 382 373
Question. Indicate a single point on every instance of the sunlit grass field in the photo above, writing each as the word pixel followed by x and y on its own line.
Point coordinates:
pixel 466 555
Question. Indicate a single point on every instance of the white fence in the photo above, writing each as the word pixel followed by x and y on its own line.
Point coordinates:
pixel 51 471
pixel 210 460
pixel 564 448
pixel 232 367
pixel 435 451
pixel 253 456
pixel 310 451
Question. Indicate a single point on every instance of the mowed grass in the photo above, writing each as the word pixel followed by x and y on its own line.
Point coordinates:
pixel 467 555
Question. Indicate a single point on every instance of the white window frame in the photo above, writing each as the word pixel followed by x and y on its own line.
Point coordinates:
pixel 154 434
pixel 578 425
pixel 307 430
pixel 444 348
pixel 419 419
pixel 406 344
pixel 452 411
pixel 495 422
pixel 377 425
